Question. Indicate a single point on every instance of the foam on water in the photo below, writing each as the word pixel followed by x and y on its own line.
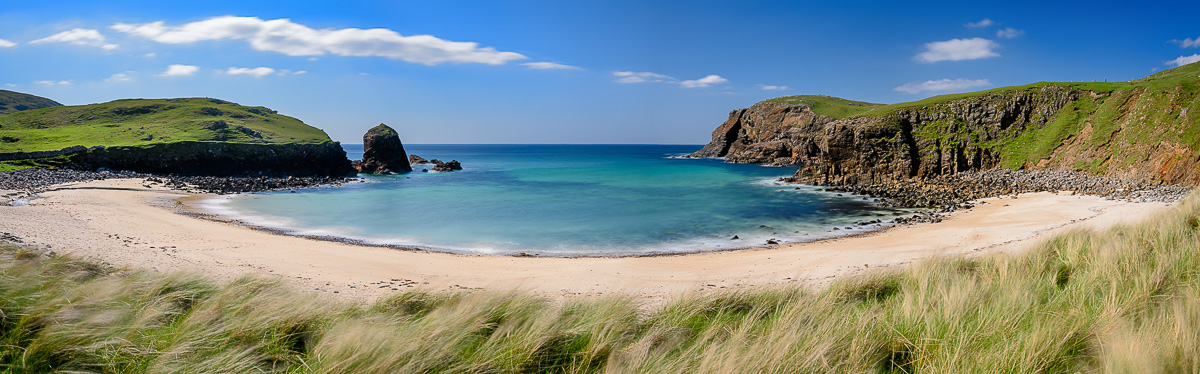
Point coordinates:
pixel 563 201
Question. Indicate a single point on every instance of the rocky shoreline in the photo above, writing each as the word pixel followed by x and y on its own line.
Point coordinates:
pixel 947 193
pixel 32 181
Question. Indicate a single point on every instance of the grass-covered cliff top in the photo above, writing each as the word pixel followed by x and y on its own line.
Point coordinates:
pixel 136 122
pixel 12 102
pixel 1187 76
pixel 835 107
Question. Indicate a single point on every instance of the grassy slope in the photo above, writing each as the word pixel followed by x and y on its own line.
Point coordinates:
pixel 835 107
pixel 1123 300
pixel 138 122
pixel 1127 119
pixel 12 102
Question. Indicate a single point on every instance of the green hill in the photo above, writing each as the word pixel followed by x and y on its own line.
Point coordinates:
pixel 140 122
pixel 12 102
pixel 835 107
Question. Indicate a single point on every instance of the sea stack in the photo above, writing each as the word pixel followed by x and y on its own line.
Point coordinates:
pixel 383 153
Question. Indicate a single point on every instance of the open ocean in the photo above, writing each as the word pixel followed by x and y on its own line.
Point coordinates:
pixel 561 200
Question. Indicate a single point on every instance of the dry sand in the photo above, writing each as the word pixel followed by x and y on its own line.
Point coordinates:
pixel 123 223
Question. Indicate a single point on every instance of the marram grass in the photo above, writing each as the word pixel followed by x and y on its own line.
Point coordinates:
pixel 1122 300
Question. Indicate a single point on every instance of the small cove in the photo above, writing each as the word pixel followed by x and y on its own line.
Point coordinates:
pixel 562 200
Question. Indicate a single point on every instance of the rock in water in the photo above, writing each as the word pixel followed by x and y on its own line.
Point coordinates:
pixel 447 166
pixel 414 159
pixel 383 153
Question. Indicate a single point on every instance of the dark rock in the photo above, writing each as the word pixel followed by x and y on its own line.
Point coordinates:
pixel 735 237
pixel 414 160
pixel 383 153
pixel 447 166
pixel 210 111
pixel 216 125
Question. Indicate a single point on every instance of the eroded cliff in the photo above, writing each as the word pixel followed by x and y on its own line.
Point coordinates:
pixel 1145 130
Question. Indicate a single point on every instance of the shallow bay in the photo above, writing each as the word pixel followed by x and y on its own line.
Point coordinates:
pixel 562 200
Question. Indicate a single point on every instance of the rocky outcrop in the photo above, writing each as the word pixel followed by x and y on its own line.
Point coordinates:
pixel 763 132
pixel 1136 134
pixel 221 159
pixel 414 160
pixel 383 153
pixel 446 166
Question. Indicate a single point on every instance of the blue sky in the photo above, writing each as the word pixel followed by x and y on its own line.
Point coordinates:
pixel 664 72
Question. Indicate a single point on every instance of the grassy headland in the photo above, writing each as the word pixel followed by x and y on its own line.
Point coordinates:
pixel 1125 299
pixel 139 122
pixel 12 102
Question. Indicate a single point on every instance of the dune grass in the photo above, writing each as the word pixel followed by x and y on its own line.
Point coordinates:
pixel 1123 300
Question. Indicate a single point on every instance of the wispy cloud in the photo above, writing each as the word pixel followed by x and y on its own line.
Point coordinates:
pixel 943 85
pixel 550 66
pixel 294 39
pixel 958 50
pixel 1184 60
pixel 85 37
pixel 709 80
pixel 120 77
pixel 180 70
pixel 257 72
pixel 1187 43
pixel 1009 33
pixel 629 77
pixel 767 87
pixel 53 83
pixel 10 85
pixel 981 23
pixel 150 55
pixel 7 44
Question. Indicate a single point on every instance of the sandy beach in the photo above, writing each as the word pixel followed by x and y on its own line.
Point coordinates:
pixel 125 223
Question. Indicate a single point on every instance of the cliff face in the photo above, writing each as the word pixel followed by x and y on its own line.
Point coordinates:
pixel 1146 130
pixel 222 159
pixel 764 133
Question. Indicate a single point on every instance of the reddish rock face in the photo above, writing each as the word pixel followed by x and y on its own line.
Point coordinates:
pixel 383 153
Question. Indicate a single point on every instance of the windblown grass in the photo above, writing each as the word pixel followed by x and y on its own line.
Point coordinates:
pixel 1123 300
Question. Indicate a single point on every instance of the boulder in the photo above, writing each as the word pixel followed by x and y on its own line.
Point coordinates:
pixel 447 166
pixel 414 159
pixel 383 153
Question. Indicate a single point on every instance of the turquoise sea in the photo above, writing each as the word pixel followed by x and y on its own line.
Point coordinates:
pixel 562 200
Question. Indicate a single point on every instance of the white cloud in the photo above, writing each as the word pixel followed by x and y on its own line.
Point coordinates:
pixel 300 72
pixel 709 80
pixel 293 39
pixel 257 72
pixel 943 85
pixel 982 23
pixel 179 70
pixel 10 84
pixel 120 77
pixel 958 50
pixel 550 66
pixel 53 83
pixel 1186 43
pixel 767 87
pixel 151 55
pixel 7 44
pixel 1184 60
pixel 1009 33
pixel 86 37
pixel 629 77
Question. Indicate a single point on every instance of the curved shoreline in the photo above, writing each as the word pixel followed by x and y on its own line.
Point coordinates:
pixel 139 226
pixel 188 207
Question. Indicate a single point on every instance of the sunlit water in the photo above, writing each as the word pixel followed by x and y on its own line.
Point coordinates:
pixel 562 200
